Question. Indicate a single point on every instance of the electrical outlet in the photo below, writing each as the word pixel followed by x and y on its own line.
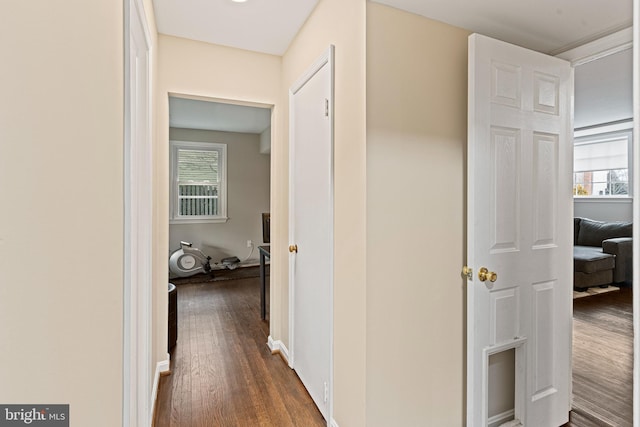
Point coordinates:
pixel 249 243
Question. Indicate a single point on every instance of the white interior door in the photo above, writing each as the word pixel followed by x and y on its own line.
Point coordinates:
pixel 519 227
pixel 311 229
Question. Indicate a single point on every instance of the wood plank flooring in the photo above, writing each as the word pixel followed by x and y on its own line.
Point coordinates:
pixel 603 360
pixel 222 372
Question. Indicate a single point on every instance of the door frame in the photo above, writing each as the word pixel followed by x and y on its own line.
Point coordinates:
pixel 605 46
pixel 138 212
pixel 327 58
pixel 635 37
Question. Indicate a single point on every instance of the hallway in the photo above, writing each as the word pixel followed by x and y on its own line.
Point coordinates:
pixel 222 372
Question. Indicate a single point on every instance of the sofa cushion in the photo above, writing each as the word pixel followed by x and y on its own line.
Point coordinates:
pixel 592 233
pixel 576 229
pixel 599 278
pixel 588 259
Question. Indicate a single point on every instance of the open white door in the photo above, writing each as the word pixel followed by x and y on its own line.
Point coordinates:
pixel 519 226
pixel 311 230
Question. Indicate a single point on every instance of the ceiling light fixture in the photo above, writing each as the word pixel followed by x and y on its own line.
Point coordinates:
pixel 238 1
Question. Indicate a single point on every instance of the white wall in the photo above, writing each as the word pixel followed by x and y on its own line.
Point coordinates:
pixel 61 222
pixel 603 94
pixel 416 143
pixel 604 209
pixel 248 182
pixel 265 141
pixel 603 90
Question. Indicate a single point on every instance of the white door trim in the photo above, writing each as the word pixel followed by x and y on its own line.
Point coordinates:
pixel 608 45
pixel 327 58
pixel 636 213
pixel 138 213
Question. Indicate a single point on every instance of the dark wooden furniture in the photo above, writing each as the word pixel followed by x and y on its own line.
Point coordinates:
pixel 266 227
pixel 173 316
pixel 264 254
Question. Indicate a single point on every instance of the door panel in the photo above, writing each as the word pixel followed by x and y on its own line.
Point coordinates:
pixel 311 204
pixel 520 227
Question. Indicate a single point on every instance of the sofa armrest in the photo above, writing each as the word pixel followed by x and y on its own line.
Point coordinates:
pixel 622 248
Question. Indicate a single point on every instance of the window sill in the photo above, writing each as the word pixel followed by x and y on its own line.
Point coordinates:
pixel 603 199
pixel 219 220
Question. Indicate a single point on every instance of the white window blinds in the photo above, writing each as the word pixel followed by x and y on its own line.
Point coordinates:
pixel 601 155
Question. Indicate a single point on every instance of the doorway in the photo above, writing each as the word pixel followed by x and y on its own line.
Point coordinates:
pixel 603 189
pixel 220 180
pixel 618 186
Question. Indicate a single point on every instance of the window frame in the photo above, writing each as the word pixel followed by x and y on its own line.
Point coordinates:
pixel 602 134
pixel 174 216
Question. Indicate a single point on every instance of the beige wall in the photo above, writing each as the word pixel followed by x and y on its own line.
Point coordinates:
pixel 416 138
pixel 248 196
pixel 61 222
pixel 200 69
pixel 341 23
pixel 403 328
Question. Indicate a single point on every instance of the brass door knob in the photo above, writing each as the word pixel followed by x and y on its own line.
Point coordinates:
pixel 484 274
pixel 467 272
pixel 293 248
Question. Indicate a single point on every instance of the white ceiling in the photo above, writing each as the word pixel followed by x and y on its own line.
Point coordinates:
pixel 260 25
pixel 549 26
pixel 195 114
pixel 268 26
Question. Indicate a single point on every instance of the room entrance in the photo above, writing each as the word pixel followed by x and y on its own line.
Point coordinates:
pixel 603 211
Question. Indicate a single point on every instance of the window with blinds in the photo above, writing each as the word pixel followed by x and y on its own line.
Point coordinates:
pixel 601 165
pixel 198 178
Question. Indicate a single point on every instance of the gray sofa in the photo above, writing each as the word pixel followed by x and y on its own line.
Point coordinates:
pixel 602 253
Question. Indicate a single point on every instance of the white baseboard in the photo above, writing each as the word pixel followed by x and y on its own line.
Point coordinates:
pixel 162 366
pixel 251 262
pixel 498 420
pixel 277 346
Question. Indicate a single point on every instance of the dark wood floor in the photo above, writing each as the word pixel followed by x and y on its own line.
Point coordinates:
pixel 222 372
pixel 603 360
pixel 224 375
